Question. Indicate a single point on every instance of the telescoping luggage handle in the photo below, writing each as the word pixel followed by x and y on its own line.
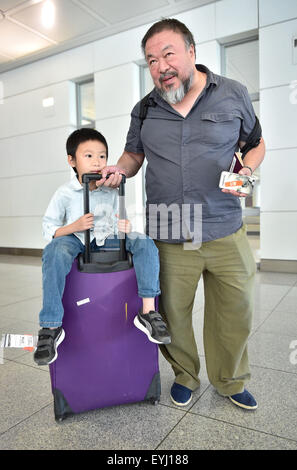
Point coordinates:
pixel 100 261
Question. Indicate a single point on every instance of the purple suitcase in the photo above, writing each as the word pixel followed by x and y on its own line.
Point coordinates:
pixel 104 359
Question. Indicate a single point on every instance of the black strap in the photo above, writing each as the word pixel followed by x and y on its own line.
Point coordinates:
pixel 253 139
pixel 145 103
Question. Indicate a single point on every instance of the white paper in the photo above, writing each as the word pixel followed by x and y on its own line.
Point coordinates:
pixel 18 341
pixel 83 301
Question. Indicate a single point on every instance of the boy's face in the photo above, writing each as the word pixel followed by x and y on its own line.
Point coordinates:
pixel 90 157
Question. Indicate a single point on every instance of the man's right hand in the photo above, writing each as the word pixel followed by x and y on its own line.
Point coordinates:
pixel 115 178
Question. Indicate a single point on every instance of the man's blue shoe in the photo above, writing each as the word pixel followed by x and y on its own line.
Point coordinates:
pixel 180 395
pixel 244 400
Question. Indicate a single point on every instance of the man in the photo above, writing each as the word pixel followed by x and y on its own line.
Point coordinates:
pixel 195 122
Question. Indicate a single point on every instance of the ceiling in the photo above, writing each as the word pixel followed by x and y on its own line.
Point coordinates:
pixel 34 29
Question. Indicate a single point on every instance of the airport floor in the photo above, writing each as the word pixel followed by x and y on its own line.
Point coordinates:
pixel 209 422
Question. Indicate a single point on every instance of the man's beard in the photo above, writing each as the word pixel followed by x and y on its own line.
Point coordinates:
pixel 176 96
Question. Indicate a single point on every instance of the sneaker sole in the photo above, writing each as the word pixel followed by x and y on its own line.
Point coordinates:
pixel 60 339
pixel 144 330
pixel 241 405
pixel 179 403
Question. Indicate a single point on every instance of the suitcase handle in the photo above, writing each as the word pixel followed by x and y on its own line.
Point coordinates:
pixel 86 178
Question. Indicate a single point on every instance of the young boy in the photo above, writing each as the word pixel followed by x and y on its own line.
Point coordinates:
pixel 64 226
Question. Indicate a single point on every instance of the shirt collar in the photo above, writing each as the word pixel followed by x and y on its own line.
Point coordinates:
pixel 75 184
pixel 211 78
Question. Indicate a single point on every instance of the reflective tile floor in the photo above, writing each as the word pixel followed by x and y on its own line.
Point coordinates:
pixel 208 422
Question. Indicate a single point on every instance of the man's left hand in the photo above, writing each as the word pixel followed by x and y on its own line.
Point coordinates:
pixel 243 171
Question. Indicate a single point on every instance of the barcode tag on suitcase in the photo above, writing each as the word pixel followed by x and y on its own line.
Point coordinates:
pixel 18 341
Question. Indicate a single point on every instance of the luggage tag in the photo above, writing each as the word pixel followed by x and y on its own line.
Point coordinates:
pixel 27 342
pixel 233 181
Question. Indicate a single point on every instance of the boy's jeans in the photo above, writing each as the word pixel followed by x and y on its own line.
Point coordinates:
pixel 60 253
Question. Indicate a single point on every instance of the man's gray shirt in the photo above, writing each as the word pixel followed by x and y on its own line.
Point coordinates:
pixel 186 155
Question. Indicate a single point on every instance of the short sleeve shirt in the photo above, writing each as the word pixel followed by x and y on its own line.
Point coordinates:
pixel 185 158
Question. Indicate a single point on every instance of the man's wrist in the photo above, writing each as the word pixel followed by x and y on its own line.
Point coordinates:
pixel 249 168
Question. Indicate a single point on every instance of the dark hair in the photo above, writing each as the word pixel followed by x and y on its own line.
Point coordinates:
pixel 82 135
pixel 173 25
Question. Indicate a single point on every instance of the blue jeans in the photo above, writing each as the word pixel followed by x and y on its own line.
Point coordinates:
pixel 57 260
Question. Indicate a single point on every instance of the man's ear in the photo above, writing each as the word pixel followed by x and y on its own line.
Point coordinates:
pixel 192 52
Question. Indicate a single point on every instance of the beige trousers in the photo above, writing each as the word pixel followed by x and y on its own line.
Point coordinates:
pixel 228 270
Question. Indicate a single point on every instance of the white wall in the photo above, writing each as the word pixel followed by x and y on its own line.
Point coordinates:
pixel 32 159
pixel 32 145
pixel 278 26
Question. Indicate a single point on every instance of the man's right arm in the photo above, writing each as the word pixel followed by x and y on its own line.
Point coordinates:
pixel 133 156
pixel 129 164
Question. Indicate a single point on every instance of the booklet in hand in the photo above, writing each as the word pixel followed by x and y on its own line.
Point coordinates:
pixel 236 163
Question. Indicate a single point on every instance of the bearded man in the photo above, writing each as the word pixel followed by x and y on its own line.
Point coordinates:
pixel 196 121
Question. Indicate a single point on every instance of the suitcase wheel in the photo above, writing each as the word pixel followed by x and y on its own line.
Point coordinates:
pixel 155 401
pixel 60 419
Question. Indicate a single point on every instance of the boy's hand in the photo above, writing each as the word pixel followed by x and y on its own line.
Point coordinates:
pixel 124 225
pixel 84 223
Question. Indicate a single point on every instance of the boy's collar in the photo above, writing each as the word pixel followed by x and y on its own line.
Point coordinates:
pixel 75 184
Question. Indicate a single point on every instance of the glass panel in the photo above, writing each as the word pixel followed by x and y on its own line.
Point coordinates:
pixel 242 64
pixel 86 104
pixel 256 106
pixel 148 83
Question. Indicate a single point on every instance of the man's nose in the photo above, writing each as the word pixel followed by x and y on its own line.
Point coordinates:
pixel 163 66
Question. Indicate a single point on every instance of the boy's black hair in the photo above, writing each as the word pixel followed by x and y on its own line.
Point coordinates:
pixel 82 135
pixel 170 24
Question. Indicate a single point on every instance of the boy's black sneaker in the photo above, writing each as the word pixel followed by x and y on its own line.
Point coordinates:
pixel 47 345
pixel 153 326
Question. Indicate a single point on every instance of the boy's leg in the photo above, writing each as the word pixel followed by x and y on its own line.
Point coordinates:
pixel 146 265
pixel 57 260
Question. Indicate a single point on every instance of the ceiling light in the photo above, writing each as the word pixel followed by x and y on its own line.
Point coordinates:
pixel 48 14
pixel 47 102
pixel 2 16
